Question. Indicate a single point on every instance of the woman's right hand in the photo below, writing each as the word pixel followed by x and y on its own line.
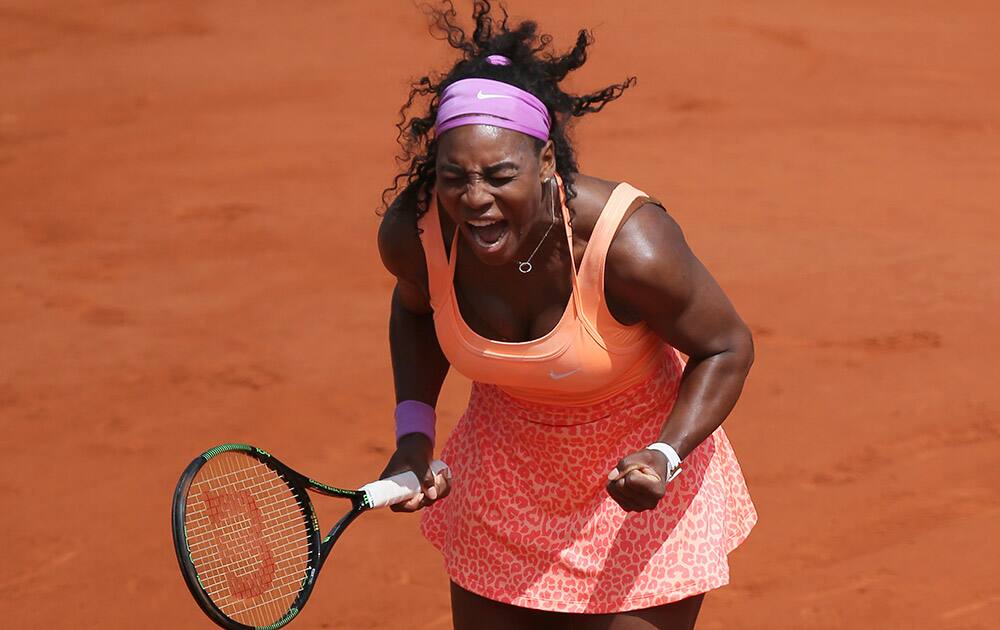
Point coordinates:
pixel 414 452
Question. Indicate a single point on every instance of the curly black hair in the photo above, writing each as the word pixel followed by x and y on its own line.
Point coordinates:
pixel 535 68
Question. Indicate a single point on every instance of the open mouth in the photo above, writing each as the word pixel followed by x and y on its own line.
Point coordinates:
pixel 487 233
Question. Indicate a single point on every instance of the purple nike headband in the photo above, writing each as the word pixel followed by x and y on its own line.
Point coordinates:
pixel 489 102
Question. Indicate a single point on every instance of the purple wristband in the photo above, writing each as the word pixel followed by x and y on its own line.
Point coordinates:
pixel 413 416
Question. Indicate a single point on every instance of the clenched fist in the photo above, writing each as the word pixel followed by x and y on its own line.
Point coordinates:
pixel 638 482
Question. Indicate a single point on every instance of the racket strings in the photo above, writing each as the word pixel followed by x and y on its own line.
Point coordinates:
pixel 248 538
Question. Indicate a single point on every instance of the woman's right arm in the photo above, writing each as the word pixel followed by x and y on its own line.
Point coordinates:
pixel 419 366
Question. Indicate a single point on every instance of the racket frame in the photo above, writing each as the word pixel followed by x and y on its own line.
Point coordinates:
pixel 319 546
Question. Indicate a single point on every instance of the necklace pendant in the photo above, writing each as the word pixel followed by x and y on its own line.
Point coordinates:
pixel 524 267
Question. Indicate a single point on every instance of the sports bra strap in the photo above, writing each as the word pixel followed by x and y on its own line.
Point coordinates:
pixel 591 275
pixel 438 267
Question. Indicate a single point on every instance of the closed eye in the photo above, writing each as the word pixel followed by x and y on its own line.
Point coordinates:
pixel 460 180
pixel 498 181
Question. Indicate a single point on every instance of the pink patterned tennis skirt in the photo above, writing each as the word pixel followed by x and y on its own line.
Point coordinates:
pixel 529 523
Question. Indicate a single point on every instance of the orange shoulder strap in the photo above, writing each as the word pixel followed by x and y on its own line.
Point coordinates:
pixel 438 269
pixel 623 199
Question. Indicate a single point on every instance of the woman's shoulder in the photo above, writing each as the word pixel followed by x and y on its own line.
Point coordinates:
pixel 648 247
pixel 648 259
pixel 399 239
pixel 592 194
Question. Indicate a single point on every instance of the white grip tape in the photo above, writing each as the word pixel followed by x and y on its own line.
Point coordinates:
pixel 399 488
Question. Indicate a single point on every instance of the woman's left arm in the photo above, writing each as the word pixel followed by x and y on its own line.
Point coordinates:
pixel 652 276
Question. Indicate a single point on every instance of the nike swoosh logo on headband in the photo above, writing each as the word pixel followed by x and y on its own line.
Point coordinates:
pixel 483 95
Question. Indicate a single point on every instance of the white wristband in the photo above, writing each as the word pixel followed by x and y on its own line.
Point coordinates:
pixel 673 459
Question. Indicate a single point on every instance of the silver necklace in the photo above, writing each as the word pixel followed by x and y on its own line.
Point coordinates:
pixel 525 266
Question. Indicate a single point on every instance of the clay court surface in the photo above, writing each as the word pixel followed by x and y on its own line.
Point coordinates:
pixel 187 257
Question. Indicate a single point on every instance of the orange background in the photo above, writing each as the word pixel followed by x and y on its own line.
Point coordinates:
pixel 187 257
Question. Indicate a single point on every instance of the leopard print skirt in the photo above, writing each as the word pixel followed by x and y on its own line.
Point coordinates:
pixel 529 523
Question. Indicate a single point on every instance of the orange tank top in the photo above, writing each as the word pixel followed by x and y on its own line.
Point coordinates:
pixel 586 358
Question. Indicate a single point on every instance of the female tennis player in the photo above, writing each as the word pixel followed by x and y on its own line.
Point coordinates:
pixel 592 484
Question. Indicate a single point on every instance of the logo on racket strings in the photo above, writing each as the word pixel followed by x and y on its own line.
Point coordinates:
pixel 238 534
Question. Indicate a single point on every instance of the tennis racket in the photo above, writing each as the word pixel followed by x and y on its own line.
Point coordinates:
pixel 247 537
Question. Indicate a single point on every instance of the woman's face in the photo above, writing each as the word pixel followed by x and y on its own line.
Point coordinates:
pixel 490 182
